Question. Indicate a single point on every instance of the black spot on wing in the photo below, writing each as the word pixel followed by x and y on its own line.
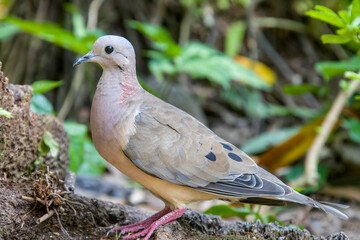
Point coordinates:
pixel 226 146
pixel 211 156
pixel 235 157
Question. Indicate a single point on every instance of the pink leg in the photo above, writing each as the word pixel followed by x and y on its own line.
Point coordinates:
pixel 161 221
pixel 143 224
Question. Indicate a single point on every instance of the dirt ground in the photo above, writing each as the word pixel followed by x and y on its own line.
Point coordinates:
pixel 79 217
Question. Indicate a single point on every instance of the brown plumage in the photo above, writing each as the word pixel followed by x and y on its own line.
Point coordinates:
pixel 168 151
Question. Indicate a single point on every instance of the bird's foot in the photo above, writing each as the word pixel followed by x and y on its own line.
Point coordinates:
pixel 143 224
pixel 149 225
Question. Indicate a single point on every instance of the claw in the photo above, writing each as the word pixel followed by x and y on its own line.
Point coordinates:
pixel 150 224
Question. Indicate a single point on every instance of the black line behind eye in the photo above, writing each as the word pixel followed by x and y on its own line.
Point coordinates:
pixel 109 49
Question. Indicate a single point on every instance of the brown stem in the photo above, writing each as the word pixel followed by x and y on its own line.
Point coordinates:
pixel 311 161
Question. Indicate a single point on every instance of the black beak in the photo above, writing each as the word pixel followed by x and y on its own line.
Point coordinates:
pixel 83 59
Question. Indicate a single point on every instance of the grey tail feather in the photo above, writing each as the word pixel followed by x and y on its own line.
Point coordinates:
pixel 325 206
pixel 338 205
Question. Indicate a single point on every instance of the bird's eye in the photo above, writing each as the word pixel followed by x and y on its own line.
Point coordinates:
pixel 109 49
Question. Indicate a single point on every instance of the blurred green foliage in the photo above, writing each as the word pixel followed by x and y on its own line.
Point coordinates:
pixel 42 86
pixel 196 59
pixel 226 211
pixel 55 34
pixel 252 103
pixel 346 20
pixel 353 127
pixel 40 104
pixel 84 159
pixel 234 38
pixel 268 139
pixel 79 41
pixel 7 30
pixel 331 69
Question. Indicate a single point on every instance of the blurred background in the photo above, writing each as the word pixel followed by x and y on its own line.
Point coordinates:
pixel 276 78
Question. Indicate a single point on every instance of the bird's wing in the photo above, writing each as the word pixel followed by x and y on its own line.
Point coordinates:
pixel 172 145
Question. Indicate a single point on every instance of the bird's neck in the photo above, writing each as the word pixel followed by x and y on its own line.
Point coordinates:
pixel 118 83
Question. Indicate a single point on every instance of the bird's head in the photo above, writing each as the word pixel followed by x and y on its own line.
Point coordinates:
pixel 110 52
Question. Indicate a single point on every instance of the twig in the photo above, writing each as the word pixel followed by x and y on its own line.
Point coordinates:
pixel 75 213
pixel 252 29
pixel 159 13
pixel 347 192
pixel 185 27
pixel 41 201
pixel 61 226
pixel 311 167
pixel 280 63
pixel 45 217
pixel 93 13
pixel 28 199
pixel 272 22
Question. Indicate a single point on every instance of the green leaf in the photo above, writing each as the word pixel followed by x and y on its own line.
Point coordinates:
pixel 355 9
pixel 74 129
pixel 48 145
pixel 4 113
pixel 234 37
pixel 42 86
pixel 326 15
pixel 300 89
pixel 345 16
pixel 353 127
pixel 42 148
pixel 7 30
pixel 159 35
pixel 331 38
pixel 93 163
pixel 78 135
pixel 40 104
pixel 336 68
pixel 352 75
pixel 265 140
pixel 55 34
pixel 84 159
pixel 228 211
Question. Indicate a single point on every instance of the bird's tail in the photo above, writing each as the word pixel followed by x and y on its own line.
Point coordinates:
pixel 325 206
